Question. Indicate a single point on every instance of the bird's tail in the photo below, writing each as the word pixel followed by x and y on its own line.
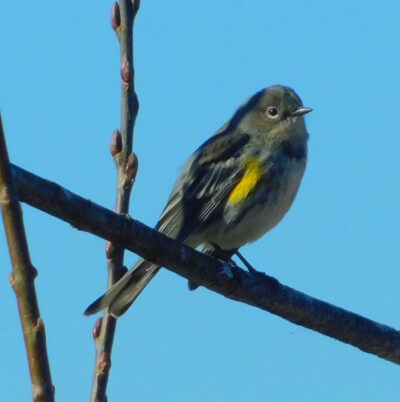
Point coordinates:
pixel 123 293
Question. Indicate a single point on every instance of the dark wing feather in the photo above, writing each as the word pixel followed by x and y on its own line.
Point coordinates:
pixel 208 177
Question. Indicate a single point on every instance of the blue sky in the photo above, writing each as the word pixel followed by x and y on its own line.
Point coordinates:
pixel 195 63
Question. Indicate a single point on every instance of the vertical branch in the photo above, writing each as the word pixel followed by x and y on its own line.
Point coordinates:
pixel 22 281
pixel 122 19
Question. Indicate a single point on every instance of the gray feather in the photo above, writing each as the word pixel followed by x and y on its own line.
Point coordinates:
pixel 123 293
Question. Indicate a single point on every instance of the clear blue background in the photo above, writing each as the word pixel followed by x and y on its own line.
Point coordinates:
pixel 195 63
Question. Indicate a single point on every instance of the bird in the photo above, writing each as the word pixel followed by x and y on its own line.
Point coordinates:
pixel 234 188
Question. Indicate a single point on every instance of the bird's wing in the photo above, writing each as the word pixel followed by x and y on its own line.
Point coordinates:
pixel 207 179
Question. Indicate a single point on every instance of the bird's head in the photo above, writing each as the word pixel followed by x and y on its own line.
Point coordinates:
pixel 276 112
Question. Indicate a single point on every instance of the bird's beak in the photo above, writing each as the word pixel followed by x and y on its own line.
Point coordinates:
pixel 301 111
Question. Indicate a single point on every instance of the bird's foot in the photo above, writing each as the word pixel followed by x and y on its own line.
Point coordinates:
pixel 249 267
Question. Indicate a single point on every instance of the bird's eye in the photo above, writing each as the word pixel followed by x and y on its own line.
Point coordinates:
pixel 272 112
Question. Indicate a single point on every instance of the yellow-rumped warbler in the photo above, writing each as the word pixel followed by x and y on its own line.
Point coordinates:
pixel 234 188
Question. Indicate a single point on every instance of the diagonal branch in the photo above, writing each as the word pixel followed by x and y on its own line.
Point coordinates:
pixel 258 290
pixel 22 280
pixel 122 19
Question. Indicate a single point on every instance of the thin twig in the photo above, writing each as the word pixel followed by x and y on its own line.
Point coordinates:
pixel 258 290
pixel 122 18
pixel 22 281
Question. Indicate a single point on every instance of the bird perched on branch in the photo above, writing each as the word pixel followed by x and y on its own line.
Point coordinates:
pixel 234 188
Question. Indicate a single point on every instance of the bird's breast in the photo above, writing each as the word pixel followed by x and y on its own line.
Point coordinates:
pixel 258 203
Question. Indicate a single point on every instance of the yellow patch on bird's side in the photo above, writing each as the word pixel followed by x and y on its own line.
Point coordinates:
pixel 247 183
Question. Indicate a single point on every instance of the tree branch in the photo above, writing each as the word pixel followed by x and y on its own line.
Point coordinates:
pixel 258 290
pixel 22 281
pixel 122 19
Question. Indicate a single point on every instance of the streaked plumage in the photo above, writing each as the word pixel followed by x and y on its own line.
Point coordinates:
pixel 234 188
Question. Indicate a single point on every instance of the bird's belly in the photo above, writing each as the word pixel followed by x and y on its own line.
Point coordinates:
pixel 246 222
